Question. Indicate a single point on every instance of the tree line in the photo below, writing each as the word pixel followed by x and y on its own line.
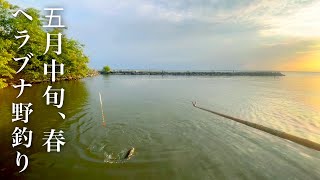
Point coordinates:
pixel 72 56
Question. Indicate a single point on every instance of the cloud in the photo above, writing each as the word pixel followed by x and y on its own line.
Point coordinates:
pixel 200 34
pixel 304 22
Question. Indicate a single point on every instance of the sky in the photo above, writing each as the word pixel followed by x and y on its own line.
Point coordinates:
pixel 281 35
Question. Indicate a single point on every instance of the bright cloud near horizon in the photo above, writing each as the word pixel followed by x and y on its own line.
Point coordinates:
pixel 194 34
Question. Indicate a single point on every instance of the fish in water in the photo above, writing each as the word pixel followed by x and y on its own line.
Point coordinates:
pixel 194 103
pixel 129 153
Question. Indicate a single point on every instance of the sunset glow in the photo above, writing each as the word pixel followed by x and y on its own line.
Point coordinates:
pixel 196 35
pixel 308 62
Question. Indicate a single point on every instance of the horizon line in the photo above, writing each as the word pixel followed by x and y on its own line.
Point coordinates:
pixel 291 71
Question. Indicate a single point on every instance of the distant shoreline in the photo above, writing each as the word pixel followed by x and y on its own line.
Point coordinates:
pixel 194 73
pixel 91 73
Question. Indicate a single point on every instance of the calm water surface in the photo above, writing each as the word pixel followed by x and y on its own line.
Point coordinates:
pixel 173 140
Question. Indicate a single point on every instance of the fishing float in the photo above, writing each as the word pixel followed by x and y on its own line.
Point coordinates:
pixel 104 124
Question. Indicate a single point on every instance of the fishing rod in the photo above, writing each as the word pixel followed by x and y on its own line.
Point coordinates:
pixel 283 135
pixel 103 120
pixel 130 153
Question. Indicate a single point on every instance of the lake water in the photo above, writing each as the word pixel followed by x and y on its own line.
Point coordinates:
pixel 173 140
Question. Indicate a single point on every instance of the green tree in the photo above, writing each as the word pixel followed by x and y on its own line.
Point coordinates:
pixel 73 57
pixel 106 69
pixel 5 53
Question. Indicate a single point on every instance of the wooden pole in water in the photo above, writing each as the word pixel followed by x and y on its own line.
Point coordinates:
pixel 103 120
pixel 283 135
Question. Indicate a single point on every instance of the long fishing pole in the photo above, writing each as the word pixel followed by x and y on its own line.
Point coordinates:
pixel 104 124
pixel 283 135
pixel 103 120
